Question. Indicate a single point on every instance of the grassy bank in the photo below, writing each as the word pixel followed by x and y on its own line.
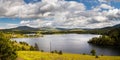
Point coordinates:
pixel 36 55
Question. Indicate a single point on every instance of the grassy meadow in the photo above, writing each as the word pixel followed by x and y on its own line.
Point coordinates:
pixel 36 55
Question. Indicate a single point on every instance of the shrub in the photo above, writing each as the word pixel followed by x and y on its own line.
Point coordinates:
pixel 84 53
pixel 7 51
pixel 55 51
pixel 96 56
pixel 32 48
pixel 93 52
pixel 52 52
pixel 60 52
pixel 42 50
pixel 102 55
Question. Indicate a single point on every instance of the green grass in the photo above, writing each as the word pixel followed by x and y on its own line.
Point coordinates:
pixel 36 55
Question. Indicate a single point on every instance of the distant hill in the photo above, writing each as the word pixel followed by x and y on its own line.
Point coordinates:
pixel 112 27
pixel 24 28
pixel 117 26
pixel 104 30
pixel 21 28
pixel 48 29
pixel 27 28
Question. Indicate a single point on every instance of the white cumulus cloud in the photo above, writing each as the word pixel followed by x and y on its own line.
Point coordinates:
pixel 60 13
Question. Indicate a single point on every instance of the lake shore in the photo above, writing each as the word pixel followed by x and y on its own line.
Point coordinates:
pixel 69 43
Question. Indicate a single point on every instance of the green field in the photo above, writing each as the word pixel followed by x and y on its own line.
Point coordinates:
pixel 36 55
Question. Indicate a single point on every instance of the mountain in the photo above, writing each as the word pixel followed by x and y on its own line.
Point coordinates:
pixel 104 30
pixel 22 28
pixel 27 28
pixel 48 29
pixel 117 26
pixel 112 27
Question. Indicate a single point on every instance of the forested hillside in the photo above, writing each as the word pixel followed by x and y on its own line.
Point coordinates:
pixel 112 38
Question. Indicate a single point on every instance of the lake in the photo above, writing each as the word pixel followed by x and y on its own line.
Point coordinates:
pixel 69 43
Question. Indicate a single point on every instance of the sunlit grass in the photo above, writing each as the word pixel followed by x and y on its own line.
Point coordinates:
pixel 36 55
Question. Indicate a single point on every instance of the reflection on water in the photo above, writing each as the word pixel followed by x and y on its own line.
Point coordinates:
pixel 71 43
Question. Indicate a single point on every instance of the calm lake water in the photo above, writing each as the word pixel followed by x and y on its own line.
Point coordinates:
pixel 69 43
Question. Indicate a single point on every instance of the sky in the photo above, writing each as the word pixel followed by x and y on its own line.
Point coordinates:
pixel 59 13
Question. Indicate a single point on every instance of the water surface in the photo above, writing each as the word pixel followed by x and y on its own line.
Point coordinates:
pixel 69 43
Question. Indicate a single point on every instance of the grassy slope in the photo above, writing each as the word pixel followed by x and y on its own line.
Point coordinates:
pixel 35 55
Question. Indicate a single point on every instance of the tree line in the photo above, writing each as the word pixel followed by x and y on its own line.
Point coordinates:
pixel 112 38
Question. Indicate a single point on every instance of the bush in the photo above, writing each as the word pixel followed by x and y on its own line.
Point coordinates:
pixel 60 52
pixel 42 50
pixel 55 51
pixel 102 55
pixel 52 52
pixel 32 48
pixel 96 56
pixel 24 43
pixel 84 53
pixel 93 52
pixel 7 51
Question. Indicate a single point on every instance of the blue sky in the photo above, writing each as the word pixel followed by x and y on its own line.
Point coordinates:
pixel 33 1
pixel 86 5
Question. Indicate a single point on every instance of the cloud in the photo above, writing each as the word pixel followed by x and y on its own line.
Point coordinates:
pixel 108 1
pixel 7 25
pixel 2 11
pixel 36 23
pixel 104 1
pixel 60 13
pixel 105 6
pixel 36 10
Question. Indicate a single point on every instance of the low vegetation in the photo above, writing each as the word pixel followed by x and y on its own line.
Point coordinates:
pixel 8 48
pixel 22 46
pixel 36 55
pixel 93 52
pixel 57 52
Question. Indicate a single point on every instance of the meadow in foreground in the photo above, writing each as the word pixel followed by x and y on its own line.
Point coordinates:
pixel 36 55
